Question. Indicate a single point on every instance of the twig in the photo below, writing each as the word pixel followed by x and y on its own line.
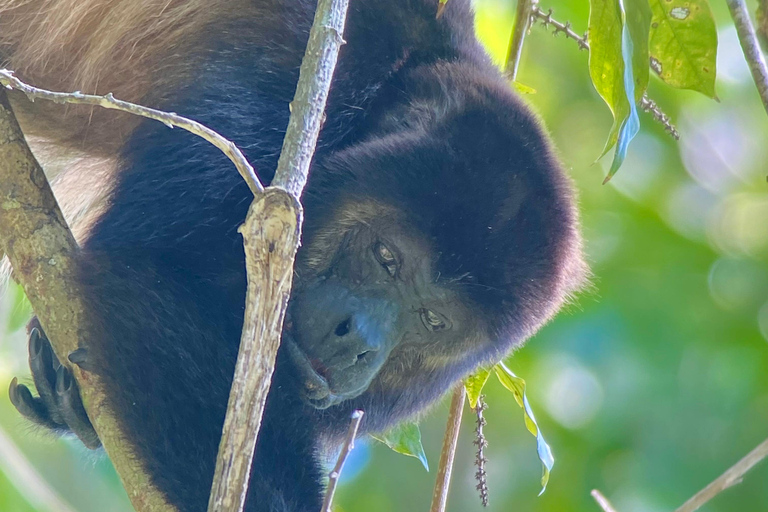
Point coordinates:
pixel 271 234
pixel 42 250
pixel 731 477
pixel 750 47
pixel 448 452
pixel 481 443
pixel 646 103
pixel 650 106
pixel 547 20
pixel 522 24
pixel 10 81
pixel 602 501
pixel 346 447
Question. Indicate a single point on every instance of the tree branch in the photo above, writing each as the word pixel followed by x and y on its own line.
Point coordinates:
pixel 448 453
pixel 602 501
pixel 750 47
pixel 272 232
pixel 349 444
pixel 9 80
pixel 731 477
pixel 42 250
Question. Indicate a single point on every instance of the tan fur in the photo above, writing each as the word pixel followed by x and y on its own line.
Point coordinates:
pixel 131 48
pixel 128 47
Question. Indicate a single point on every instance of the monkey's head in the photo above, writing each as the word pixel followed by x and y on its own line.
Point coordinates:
pixel 448 242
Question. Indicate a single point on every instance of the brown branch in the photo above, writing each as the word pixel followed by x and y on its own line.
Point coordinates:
pixel 42 250
pixel 346 447
pixel 448 452
pixel 272 233
pixel 731 477
pixel 602 501
pixel 9 80
pixel 750 47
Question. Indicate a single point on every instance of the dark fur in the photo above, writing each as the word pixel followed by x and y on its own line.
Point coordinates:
pixel 417 120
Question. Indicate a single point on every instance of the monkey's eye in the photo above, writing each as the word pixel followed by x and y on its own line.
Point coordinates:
pixel 385 257
pixel 433 321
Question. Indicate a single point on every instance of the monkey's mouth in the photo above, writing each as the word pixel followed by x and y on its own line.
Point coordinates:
pixel 315 388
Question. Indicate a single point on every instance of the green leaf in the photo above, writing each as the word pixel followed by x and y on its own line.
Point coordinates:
pixel 683 44
pixel 638 22
pixel 517 386
pixel 522 88
pixel 405 439
pixel 474 385
pixel 606 65
pixel 616 38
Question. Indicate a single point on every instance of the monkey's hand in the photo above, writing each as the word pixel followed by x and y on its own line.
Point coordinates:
pixel 58 407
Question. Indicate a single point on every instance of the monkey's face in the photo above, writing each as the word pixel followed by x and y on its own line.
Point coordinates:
pixel 366 292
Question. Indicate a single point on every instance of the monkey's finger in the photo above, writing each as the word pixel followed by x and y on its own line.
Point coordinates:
pixel 72 410
pixel 41 363
pixel 30 407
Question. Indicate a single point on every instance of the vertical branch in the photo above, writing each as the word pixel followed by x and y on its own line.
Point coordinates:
pixel 271 234
pixel 42 250
pixel 522 24
pixel 750 47
pixel 308 105
pixel 448 452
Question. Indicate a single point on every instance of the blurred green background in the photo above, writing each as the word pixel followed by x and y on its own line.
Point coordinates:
pixel 647 387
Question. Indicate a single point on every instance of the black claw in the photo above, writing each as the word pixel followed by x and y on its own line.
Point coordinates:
pixel 30 407
pixel 63 381
pixel 35 344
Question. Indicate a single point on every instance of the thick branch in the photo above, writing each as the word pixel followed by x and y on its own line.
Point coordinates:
pixel 731 477
pixel 750 47
pixel 41 248
pixel 448 453
pixel 272 231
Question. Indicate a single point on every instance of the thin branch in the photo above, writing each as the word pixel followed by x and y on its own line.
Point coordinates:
pixel 646 103
pixel 731 477
pixel 750 47
pixel 650 106
pixel 271 235
pixel 308 105
pixel 42 250
pixel 522 24
pixel 602 501
pixel 448 452
pixel 10 81
pixel 346 447
pixel 481 443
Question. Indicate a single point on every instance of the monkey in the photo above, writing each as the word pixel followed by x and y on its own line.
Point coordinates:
pixel 440 232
